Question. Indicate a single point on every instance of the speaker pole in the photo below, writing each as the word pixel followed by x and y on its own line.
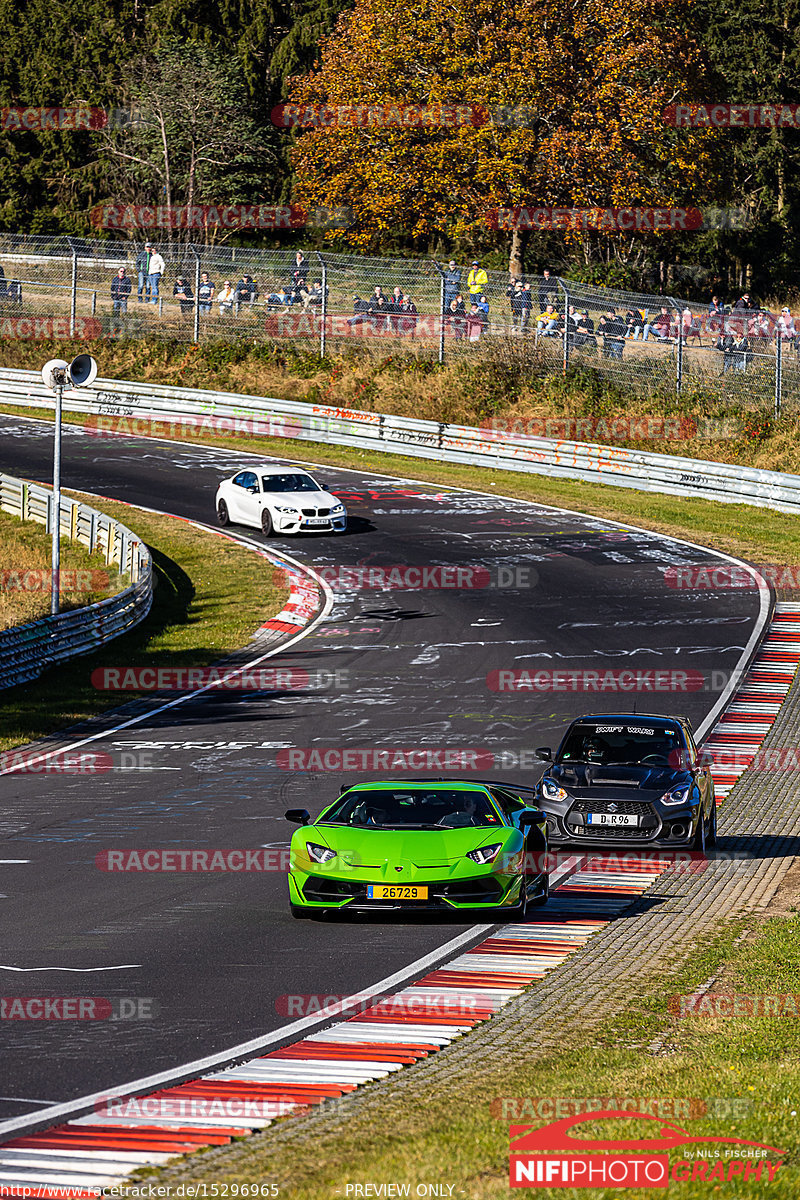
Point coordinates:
pixel 55 562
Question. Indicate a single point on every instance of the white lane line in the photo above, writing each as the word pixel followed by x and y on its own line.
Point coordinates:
pixel 74 970
pixel 149 1083
pixel 217 684
pixel 25 1100
pixel 5 862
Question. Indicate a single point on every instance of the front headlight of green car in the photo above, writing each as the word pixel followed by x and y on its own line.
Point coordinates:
pixel 485 854
pixel 319 854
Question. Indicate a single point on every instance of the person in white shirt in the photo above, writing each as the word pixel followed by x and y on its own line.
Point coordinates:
pixel 225 298
pixel 787 330
pixel 156 269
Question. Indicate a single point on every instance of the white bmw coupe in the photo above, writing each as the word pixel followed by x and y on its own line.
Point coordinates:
pixel 279 500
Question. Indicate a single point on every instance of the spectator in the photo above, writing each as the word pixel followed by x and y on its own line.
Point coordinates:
pixel 515 294
pixel 690 326
pixel 634 324
pixel 744 302
pixel 155 269
pixel 483 305
pixel 527 305
pixel 451 278
pixel 225 298
pixel 584 330
pixel 395 307
pixel 572 324
pixel 477 281
pixel 612 329
pixel 786 330
pixel 475 323
pixel 362 312
pixel 246 291
pixel 313 296
pixel 456 317
pixel 301 269
pixel 280 299
pixel 183 294
pixel 660 327
pixel 3 287
pixel 205 293
pixel 716 314
pixel 547 322
pixel 407 322
pixel 143 271
pixel 735 352
pixel 546 289
pixel 120 290
pixel 382 310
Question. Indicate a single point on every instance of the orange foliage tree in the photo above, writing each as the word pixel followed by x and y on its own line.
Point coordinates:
pixel 597 75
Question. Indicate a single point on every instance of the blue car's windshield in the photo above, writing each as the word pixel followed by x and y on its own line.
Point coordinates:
pixel 289 483
pixel 619 744
pixel 411 809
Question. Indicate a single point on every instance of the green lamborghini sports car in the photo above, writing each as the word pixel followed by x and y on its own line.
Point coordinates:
pixel 420 845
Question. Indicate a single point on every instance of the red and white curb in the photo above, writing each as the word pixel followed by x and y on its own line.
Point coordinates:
pixel 103 1148
pixel 738 735
pixel 303 604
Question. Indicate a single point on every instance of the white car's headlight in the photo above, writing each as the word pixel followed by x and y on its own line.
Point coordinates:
pixel 279 508
pixel 338 508
pixel 679 795
pixel 484 854
pixel 551 791
pixel 320 854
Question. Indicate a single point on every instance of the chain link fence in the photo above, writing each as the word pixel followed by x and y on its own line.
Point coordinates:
pixel 438 311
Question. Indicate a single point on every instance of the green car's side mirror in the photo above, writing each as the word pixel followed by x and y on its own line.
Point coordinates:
pixel 300 816
pixel 534 816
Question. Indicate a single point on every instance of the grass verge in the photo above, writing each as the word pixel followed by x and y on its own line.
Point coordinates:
pixel 25 548
pixel 210 596
pixel 449 1132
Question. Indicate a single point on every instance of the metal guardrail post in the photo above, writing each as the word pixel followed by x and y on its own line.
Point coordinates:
pixel 196 325
pixel 778 373
pixel 679 356
pixel 94 303
pixel 324 308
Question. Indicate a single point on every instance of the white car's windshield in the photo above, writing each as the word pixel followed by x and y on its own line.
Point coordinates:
pixel 289 483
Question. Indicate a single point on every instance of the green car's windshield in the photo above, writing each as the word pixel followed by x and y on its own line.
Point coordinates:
pixel 407 808
pixel 617 744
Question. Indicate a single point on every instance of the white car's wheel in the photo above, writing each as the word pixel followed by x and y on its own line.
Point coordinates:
pixel 266 522
pixel 223 516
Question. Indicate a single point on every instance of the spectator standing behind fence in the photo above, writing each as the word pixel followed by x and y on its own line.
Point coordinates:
pixel 183 294
pixel 546 289
pixel 155 269
pixel 716 314
pixel 205 293
pixel 515 298
pixel 225 298
pixel 786 329
pixel 143 271
pixel 475 323
pixel 456 316
pixel 120 290
pixel 660 326
pixel 246 291
pixel 735 352
pixel 301 269
pixel 477 280
pixel 452 283
pixel 744 302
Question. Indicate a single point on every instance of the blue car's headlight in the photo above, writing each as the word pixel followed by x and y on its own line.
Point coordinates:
pixel 551 791
pixel 484 854
pixel 320 854
pixel 678 795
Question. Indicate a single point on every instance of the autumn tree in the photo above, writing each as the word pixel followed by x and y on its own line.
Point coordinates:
pixel 597 75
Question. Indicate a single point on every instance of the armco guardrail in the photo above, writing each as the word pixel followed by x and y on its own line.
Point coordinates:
pixel 26 651
pixel 117 407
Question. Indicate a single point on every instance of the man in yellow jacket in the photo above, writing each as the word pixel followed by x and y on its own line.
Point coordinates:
pixel 477 280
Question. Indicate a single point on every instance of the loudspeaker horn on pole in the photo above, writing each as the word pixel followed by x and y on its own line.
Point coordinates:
pixel 82 370
pixel 55 364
